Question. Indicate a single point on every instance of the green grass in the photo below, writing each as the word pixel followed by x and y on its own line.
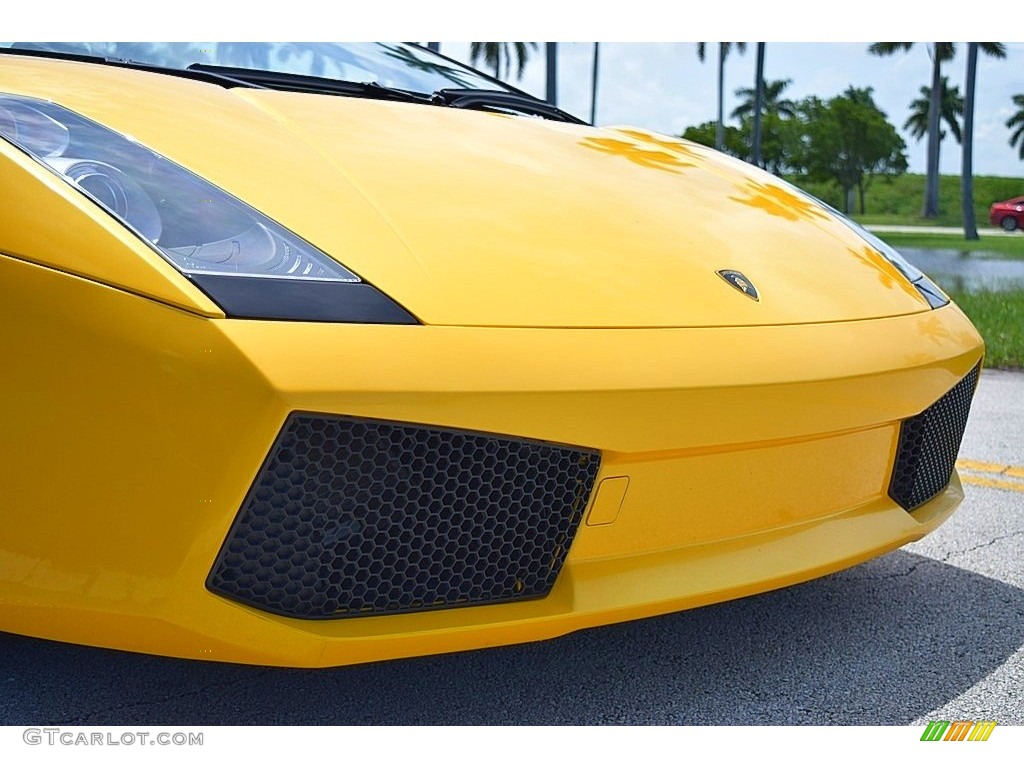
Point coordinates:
pixel 899 200
pixel 1005 247
pixel 999 317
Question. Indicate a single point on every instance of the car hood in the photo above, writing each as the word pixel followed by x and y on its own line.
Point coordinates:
pixel 473 218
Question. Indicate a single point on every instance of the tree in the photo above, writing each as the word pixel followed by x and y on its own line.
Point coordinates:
pixel 551 73
pixel 412 58
pixel 770 149
pixel 849 140
pixel 1016 121
pixel 499 55
pixel 782 143
pixel 939 52
pixel 781 149
pixel 951 107
pixel 773 103
pixel 723 54
pixel 998 51
pixel 758 104
pixel 733 141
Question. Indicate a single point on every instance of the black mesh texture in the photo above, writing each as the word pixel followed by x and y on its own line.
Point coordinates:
pixel 349 517
pixel 928 446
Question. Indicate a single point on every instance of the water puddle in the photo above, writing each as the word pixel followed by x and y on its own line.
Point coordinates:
pixel 963 271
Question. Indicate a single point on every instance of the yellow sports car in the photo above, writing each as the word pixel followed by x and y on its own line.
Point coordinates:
pixel 322 354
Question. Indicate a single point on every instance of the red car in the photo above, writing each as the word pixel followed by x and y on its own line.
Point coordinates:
pixel 1008 214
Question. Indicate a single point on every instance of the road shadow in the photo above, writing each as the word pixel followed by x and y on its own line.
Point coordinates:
pixel 883 643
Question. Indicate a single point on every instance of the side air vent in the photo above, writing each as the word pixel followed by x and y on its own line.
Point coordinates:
pixel 350 517
pixel 928 446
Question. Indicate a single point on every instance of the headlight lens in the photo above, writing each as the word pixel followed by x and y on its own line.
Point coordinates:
pixel 195 225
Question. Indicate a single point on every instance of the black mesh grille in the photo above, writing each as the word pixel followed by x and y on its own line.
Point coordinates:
pixel 928 446
pixel 349 517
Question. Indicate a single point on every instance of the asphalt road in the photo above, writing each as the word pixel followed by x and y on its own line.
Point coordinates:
pixel 936 628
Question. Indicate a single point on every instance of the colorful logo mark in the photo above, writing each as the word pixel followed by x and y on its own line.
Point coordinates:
pixel 958 730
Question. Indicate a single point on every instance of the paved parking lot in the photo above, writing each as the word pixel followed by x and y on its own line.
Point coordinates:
pixel 935 628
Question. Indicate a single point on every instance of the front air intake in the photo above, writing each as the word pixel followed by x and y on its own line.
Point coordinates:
pixel 350 517
pixel 928 446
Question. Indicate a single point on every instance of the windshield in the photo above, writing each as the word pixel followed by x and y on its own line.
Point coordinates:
pixel 394 65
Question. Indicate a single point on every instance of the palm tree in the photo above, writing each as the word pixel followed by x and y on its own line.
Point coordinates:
pixel 723 54
pixel 758 103
pixel 940 52
pixel 772 101
pixel 1017 121
pixel 951 107
pixel 499 55
pixel 773 108
pixel 410 57
pixel 593 87
pixel 997 51
pixel 551 73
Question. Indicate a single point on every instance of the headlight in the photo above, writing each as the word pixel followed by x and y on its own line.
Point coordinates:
pixel 250 265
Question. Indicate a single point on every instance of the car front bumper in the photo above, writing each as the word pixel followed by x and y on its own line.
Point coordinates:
pixel 755 458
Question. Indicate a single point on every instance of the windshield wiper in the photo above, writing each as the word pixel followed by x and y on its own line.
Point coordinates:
pixel 289 81
pixel 113 61
pixel 504 102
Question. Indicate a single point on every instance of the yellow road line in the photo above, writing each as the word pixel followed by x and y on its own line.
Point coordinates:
pixel 970 467
pixel 987 466
pixel 989 482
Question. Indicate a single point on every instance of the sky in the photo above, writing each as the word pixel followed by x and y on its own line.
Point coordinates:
pixel 665 87
pixel 656 85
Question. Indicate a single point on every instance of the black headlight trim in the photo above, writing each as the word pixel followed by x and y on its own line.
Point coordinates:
pixel 263 298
